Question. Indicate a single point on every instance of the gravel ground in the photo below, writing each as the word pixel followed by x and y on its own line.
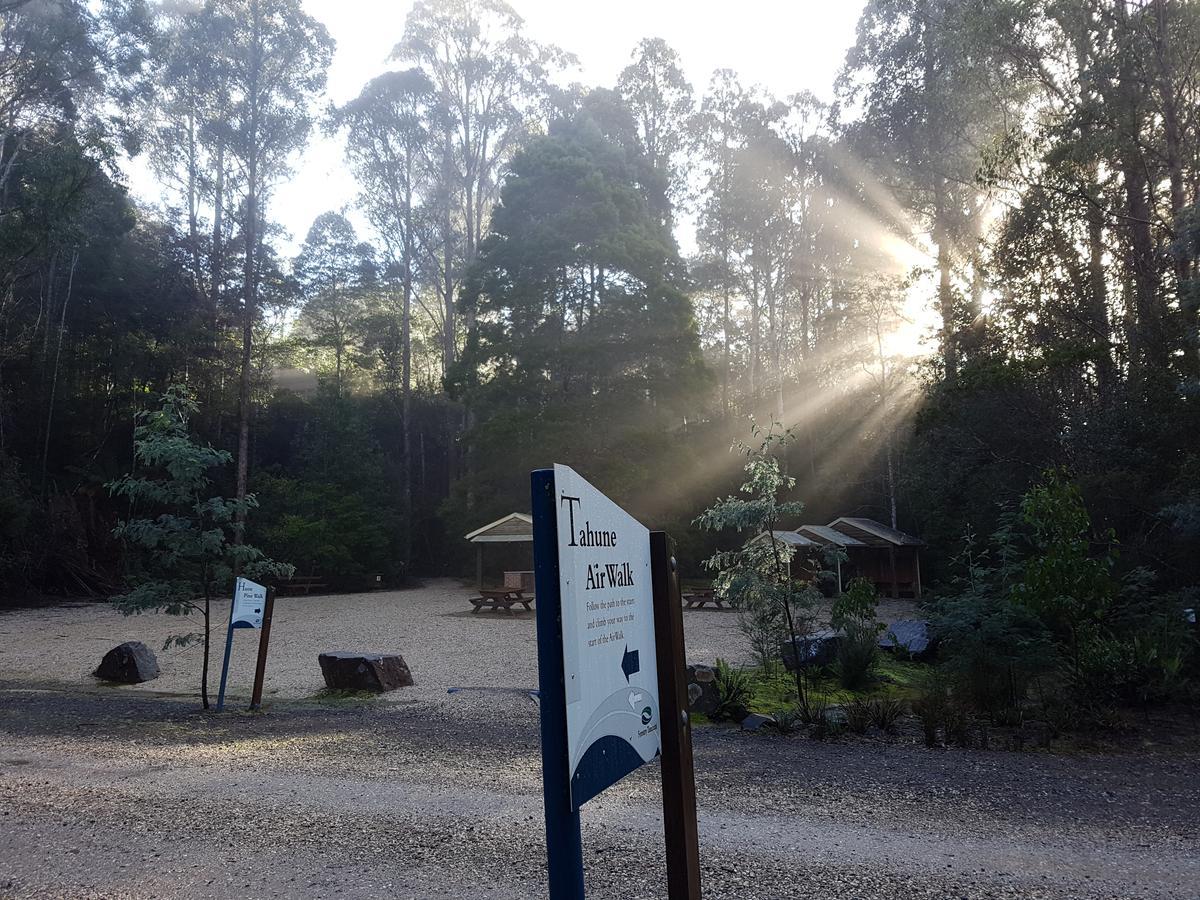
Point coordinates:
pixel 130 792
pixel 443 642
pixel 116 794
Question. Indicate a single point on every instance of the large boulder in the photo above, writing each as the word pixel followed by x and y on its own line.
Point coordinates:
pixel 703 697
pixel 378 672
pixel 910 636
pixel 129 663
pixel 816 649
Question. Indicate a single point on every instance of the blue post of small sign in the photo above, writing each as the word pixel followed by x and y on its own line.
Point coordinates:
pixel 564 842
pixel 228 652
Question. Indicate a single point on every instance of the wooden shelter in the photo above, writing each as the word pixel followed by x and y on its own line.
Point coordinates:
pixel 887 557
pixel 824 537
pixel 513 528
pixel 805 548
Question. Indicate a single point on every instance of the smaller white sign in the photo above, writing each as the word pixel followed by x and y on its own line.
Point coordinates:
pixel 249 601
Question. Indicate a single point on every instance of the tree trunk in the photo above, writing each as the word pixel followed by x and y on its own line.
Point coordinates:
pixel 207 645
pixel 406 372
pixel 250 281
pixel 62 327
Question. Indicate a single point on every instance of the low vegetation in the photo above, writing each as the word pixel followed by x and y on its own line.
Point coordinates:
pixel 1039 631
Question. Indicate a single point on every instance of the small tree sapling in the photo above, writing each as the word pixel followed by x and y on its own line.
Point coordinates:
pixel 757 578
pixel 180 540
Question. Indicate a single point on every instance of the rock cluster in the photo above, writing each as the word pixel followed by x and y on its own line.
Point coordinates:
pixel 702 689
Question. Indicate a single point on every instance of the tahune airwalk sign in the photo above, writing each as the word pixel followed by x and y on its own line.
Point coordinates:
pixel 609 667
pixel 610 671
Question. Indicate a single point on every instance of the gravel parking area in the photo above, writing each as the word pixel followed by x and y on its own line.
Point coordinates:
pixel 118 794
pixel 131 792
pixel 432 627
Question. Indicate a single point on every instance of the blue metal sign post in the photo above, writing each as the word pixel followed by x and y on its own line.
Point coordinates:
pixel 564 842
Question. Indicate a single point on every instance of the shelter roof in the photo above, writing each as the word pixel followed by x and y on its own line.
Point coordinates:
pixel 827 536
pixel 874 534
pixel 513 527
pixel 792 539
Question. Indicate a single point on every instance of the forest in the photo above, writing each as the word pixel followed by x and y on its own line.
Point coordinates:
pixel 975 271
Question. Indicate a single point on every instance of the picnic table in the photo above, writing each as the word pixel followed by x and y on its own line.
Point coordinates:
pixel 500 598
pixel 697 599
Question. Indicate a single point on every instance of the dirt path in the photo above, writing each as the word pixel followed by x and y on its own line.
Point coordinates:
pixel 122 794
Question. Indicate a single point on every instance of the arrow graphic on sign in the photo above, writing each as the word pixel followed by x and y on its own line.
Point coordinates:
pixel 630 662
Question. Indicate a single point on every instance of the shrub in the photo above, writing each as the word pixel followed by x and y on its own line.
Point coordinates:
pixel 733 690
pixel 828 724
pixel 812 710
pixel 853 614
pixel 855 606
pixel 932 708
pixel 788 720
pixel 885 712
pixel 857 656
pixel 994 649
pixel 858 714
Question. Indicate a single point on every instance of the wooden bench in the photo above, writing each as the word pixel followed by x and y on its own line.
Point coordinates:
pixel 697 599
pixel 302 584
pixel 500 598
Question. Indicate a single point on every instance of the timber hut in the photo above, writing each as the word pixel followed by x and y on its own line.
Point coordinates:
pixel 513 528
pixel 825 537
pixel 885 556
pixel 805 564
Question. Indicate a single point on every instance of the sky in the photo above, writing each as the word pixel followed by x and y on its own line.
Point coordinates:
pixel 784 46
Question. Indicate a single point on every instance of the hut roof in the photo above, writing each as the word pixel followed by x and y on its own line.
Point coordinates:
pixel 874 534
pixel 827 536
pixel 513 527
pixel 791 538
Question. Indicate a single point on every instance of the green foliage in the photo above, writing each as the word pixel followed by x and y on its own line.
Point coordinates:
pixel 19 525
pixel 329 502
pixel 733 690
pixel 857 655
pixel 181 540
pixel 855 605
pixel 885 712
pixel 853 614
pixel 1064 583
pixel 858 713
pixel 757 577
pixel 1040 606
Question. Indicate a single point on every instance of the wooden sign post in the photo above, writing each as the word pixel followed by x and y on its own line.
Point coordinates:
pixel 678 776
pixel 610 671
pixel 260 667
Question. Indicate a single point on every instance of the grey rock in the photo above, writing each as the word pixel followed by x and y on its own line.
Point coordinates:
pixel 702 690
pixel 755 721
pixel 129 663
pixel 816 649
pixel 910 635
pixel 377 672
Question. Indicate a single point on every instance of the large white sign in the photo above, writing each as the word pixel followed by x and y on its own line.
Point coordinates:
pixel 609 661
pixel 249 600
